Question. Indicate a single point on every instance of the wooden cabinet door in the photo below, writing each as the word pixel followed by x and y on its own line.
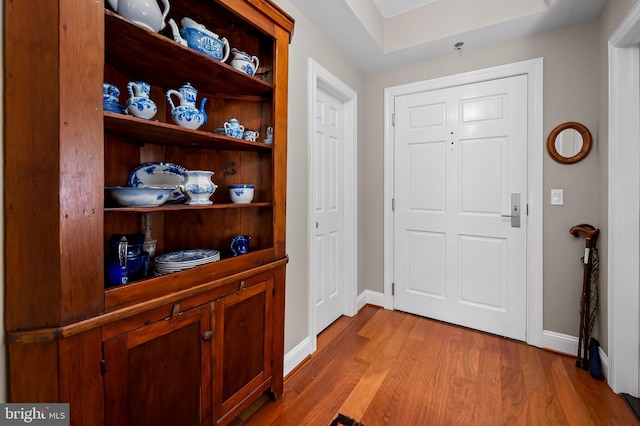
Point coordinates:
pixel 243 348
pixel 160 373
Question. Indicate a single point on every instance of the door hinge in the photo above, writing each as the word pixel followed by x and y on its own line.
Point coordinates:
pixel 272 361
pixel 393 204
pixel 393 119
pixel 393 289
pixel 527 209
pixel 273 292
pixel 103 367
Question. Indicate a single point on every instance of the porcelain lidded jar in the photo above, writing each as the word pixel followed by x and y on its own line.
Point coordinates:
pixel 198 187
pixel 139 104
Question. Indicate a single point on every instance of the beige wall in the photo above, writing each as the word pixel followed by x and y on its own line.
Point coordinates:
pixel 572 78
pixel 570 94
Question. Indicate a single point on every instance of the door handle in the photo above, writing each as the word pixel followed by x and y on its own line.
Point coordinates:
pixel 515 210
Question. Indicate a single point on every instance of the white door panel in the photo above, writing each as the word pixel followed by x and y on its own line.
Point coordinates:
pixel 460 153
pixel 327 251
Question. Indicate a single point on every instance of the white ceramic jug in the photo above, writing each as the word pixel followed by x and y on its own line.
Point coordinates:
pixel 143 12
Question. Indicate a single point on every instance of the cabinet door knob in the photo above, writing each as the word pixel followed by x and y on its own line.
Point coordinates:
pixel 207 335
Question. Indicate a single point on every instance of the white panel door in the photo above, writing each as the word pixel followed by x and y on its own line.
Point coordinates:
pixel 460 154
pixel 327 255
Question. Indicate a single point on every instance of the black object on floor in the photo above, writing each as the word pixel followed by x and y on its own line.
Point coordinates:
pixel 595 365
pixel 343 420
pixel 633 403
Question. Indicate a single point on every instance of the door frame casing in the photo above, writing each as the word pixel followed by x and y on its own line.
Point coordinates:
pixel 320 77
pixel 533 69
pixel 624 206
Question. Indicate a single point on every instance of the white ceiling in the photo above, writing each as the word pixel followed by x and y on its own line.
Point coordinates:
pixel 415 30
pixel 391 8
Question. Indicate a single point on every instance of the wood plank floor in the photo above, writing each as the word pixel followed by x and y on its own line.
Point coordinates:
pixel 390 368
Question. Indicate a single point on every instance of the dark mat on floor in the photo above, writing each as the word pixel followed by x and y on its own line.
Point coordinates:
pixel 633 403
pixel 343 420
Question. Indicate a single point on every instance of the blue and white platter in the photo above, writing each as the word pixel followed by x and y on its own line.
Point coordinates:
pixel 159 174
pixel 184 259
pixel 188 256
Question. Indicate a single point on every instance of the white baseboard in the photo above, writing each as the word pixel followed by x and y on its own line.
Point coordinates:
pixel 371 298
pixel 296 355
pixel 569 345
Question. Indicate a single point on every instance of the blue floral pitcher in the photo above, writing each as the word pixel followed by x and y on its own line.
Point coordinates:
pixel 240 244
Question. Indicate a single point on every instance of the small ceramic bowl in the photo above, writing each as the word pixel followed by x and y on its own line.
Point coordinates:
pixel 241 193
pixel 129 196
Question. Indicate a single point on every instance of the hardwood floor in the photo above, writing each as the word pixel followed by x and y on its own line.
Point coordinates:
pixel 390 368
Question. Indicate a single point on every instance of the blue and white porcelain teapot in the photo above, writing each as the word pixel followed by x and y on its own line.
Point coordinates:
pixel 186 114
pixel 198 37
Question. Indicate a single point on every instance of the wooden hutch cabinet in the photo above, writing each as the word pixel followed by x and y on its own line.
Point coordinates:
pixel 193 347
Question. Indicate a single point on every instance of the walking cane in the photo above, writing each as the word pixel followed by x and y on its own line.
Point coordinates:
pixel 591 236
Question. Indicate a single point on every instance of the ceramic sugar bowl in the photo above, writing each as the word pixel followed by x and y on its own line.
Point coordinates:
pixel 198 187
pixel 233 128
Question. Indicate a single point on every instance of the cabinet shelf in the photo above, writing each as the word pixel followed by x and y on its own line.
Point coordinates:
pixel 165 63
pixel 191 281
pixel 155 132
pixel 174 207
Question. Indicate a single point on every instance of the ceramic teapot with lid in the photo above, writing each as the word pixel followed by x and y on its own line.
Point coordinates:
pixel 143 12
pixel 186 114
pixel 198 37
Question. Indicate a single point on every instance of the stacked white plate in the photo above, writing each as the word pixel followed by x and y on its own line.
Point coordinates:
pixel 184 259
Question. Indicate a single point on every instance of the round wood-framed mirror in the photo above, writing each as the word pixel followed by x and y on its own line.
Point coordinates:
pixel 569 142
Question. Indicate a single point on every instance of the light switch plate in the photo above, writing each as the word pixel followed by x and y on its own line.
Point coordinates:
pixel 557 197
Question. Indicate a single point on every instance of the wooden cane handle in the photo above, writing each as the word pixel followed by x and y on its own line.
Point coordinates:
pixel 590 232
